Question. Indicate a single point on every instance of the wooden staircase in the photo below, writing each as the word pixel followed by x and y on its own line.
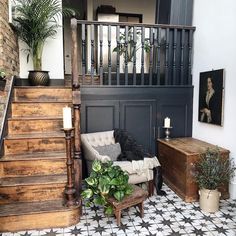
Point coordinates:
pixel 33 167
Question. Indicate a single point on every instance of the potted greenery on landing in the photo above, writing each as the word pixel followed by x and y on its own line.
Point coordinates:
pixel 212 171
pixel 106 180
pixel 35 22
pixel 128 46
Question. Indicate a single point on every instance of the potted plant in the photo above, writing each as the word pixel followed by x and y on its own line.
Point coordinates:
pixel 35 22
pixel 212 171
pixel 106 180
pixel 129 48
pixel 2 79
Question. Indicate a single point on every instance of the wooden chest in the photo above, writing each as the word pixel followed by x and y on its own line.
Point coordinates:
pixel 177 157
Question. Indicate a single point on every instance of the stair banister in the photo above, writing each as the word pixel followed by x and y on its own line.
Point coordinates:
pixel 76 101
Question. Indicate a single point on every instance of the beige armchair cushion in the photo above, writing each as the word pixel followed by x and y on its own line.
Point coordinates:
pixel 139 171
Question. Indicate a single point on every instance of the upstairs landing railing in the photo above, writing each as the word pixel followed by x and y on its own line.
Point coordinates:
pixel 111 53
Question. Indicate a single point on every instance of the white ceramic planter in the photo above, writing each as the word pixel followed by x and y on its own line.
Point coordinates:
pixel 209 200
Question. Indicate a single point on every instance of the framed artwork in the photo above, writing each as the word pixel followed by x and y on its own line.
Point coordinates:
pixel 211 92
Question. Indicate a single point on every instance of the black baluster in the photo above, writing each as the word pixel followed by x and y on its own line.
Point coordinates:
pixel 92 53
pixel 182 57
pixel 167 57
pixel 151 56
pixel 126 54
pixel 118 55
pixel 159 56
pixel 83 53
pixel 101 53
pixel 189 82
pixel 174 56
pixel 135 57
pixel 109 54
pixel 142 55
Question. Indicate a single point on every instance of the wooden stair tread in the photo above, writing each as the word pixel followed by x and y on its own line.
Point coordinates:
pixel 43 87
pixel 36 135
pixel 32 180
pixel 34 156
pixel 32 207
pixel 35 118
pixel 28 101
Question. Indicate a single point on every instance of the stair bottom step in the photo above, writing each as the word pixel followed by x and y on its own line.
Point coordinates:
pixel 37 215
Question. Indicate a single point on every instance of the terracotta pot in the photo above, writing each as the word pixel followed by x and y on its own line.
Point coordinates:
pixel 209 200
pixel 38 78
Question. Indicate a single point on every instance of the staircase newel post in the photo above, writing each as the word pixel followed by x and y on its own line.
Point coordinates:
pixel 76 100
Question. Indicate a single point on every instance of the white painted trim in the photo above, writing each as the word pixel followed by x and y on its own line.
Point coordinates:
pixel 232 190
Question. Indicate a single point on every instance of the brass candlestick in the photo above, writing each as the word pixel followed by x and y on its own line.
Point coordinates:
pixel 70 188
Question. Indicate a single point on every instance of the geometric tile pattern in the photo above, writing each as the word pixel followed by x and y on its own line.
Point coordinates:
pixel 166 215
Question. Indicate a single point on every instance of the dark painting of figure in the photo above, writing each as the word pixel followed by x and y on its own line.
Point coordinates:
pixel 210 97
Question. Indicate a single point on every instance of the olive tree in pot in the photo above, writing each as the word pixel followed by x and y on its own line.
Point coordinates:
pixel 212 171
pixel 106 180
pixel 35 22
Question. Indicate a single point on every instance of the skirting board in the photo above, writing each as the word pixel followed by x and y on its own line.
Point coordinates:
pixel 232 190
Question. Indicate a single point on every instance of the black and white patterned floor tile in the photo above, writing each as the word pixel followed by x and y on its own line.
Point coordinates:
pixel 167 215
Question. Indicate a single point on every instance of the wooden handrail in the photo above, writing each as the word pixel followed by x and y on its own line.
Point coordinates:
pixel 136 24
pixel 8 99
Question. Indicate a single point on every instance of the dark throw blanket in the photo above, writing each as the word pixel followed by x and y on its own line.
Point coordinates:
pixel 131 151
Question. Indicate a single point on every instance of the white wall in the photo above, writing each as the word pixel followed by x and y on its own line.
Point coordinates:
pixel 147 8
pixel 52 57
pixel 215 48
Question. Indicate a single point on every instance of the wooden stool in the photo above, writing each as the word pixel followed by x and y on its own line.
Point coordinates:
pixel 136 198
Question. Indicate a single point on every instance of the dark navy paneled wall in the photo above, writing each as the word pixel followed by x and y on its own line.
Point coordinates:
pixel 139 110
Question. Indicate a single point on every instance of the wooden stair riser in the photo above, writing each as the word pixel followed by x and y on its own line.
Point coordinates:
pixel 42 94
pixel 37 109
pixel 32 167
pixel 31 193
pixel 34 221
pixel 25 146
pixel 34 126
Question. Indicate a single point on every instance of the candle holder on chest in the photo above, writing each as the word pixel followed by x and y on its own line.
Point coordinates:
pixel 167 132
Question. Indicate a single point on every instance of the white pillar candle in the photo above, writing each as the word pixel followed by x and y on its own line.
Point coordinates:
pixel 67 120
pixel 167 122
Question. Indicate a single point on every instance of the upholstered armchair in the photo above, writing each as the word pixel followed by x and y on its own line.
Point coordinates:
pixel 138 171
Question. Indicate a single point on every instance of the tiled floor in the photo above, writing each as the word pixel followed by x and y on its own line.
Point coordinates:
pixel 167 215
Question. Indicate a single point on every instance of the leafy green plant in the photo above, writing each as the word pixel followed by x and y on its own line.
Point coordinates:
pixel 213 170
pixel 106 180
pixel 2 74
pixel 35 22
pixel 129 46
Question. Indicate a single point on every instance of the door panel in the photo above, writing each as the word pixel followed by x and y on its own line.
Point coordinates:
pixel 138 118
pixel 98 116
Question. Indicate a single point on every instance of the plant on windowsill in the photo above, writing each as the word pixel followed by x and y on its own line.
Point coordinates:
pixel 106 180
pixel 129 48
pixel 212 171
pixel 35 22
